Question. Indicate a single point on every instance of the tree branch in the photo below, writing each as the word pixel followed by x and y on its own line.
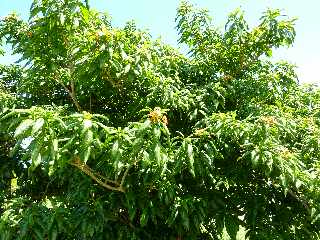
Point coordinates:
pixel 70 92
pixel 73 96
pixel 104 182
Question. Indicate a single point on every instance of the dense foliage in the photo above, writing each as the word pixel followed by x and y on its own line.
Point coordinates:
pixel 106 133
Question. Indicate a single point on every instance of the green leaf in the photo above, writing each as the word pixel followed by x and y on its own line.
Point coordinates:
pixel 36 160
pixel 55 144
pixel 110 52
pixel 85 14
pixel 124 55
pixel 144 217
pixel 62 18
pixel 38 233
pixel 157 153
pixel 190 157
pixel 269 52
pixel 88 138
pixel 37 125
pixel 23 127
pixel 232 226
pixel 86 154
pixel 115 153
pixel 255 157
pixel 53 233
pixel 156 133
pixel 185 220
pixel 127 68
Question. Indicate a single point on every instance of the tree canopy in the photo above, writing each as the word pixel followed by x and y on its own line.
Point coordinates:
pixel 108 133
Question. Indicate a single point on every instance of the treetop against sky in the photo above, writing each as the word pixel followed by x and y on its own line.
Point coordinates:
pixel 158 17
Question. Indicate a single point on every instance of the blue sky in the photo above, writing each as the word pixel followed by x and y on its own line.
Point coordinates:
pixel 158 18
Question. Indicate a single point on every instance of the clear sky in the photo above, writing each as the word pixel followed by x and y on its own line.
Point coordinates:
pixel 158 17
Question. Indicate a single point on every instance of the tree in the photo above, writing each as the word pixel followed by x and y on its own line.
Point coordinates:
pixel 107 133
